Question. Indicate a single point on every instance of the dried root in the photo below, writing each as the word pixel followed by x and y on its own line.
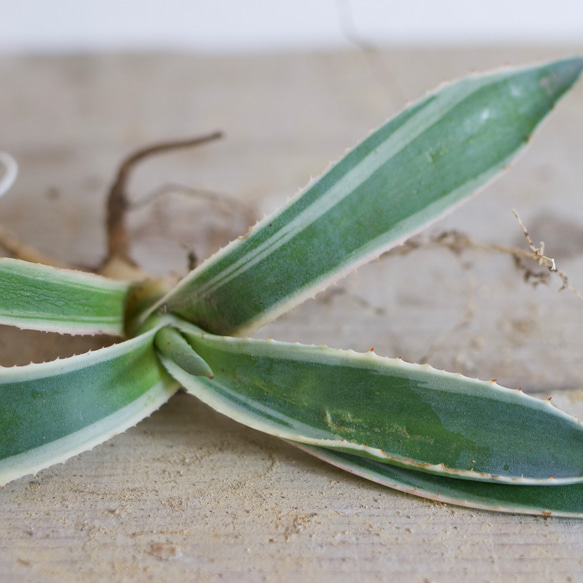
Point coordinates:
pixel 118 201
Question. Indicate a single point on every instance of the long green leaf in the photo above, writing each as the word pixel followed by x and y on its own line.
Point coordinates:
pixel 39 297
pixel 404 176
pixel 52 411
pixel 394 412
pixel 543 500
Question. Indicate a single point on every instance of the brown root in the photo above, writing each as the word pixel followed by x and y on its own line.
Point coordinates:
pixel 117 202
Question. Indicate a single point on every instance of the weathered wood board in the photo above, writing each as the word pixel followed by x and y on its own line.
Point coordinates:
pixel 189 495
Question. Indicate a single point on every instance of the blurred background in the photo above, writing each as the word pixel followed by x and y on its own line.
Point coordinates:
pixel 292 85
pixel 262 25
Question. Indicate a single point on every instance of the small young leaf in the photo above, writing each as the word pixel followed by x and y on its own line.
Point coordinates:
pixel 386 409
pixel 52 411
pixel 404 176
pixel 543 500
pixel 174 347
pixel 39 297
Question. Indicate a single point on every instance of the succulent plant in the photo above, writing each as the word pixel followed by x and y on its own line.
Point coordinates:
pixel 408 426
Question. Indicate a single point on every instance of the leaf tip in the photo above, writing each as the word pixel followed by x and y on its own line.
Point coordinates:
pixel 561 76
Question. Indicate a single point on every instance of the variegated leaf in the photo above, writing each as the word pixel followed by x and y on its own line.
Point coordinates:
pixel 391 411
pixel 406 175
pixel 564 501
pixel 52 411
pixel 40 297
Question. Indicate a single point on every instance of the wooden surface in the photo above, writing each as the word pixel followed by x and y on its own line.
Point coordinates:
pixel 188 495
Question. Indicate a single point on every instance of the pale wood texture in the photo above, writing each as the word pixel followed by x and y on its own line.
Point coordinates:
pixel 188 495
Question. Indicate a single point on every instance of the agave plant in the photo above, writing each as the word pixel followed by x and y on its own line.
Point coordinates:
pixel 410 427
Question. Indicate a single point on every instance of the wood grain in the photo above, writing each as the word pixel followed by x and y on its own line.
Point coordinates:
pixel 189 495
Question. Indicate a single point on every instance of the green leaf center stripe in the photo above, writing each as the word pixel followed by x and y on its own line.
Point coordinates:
pixel 63 397
pixel 386 409
pixel 544 500
pixel 406 174
pixel 425 115
pixel 41 297
pixel 86 438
